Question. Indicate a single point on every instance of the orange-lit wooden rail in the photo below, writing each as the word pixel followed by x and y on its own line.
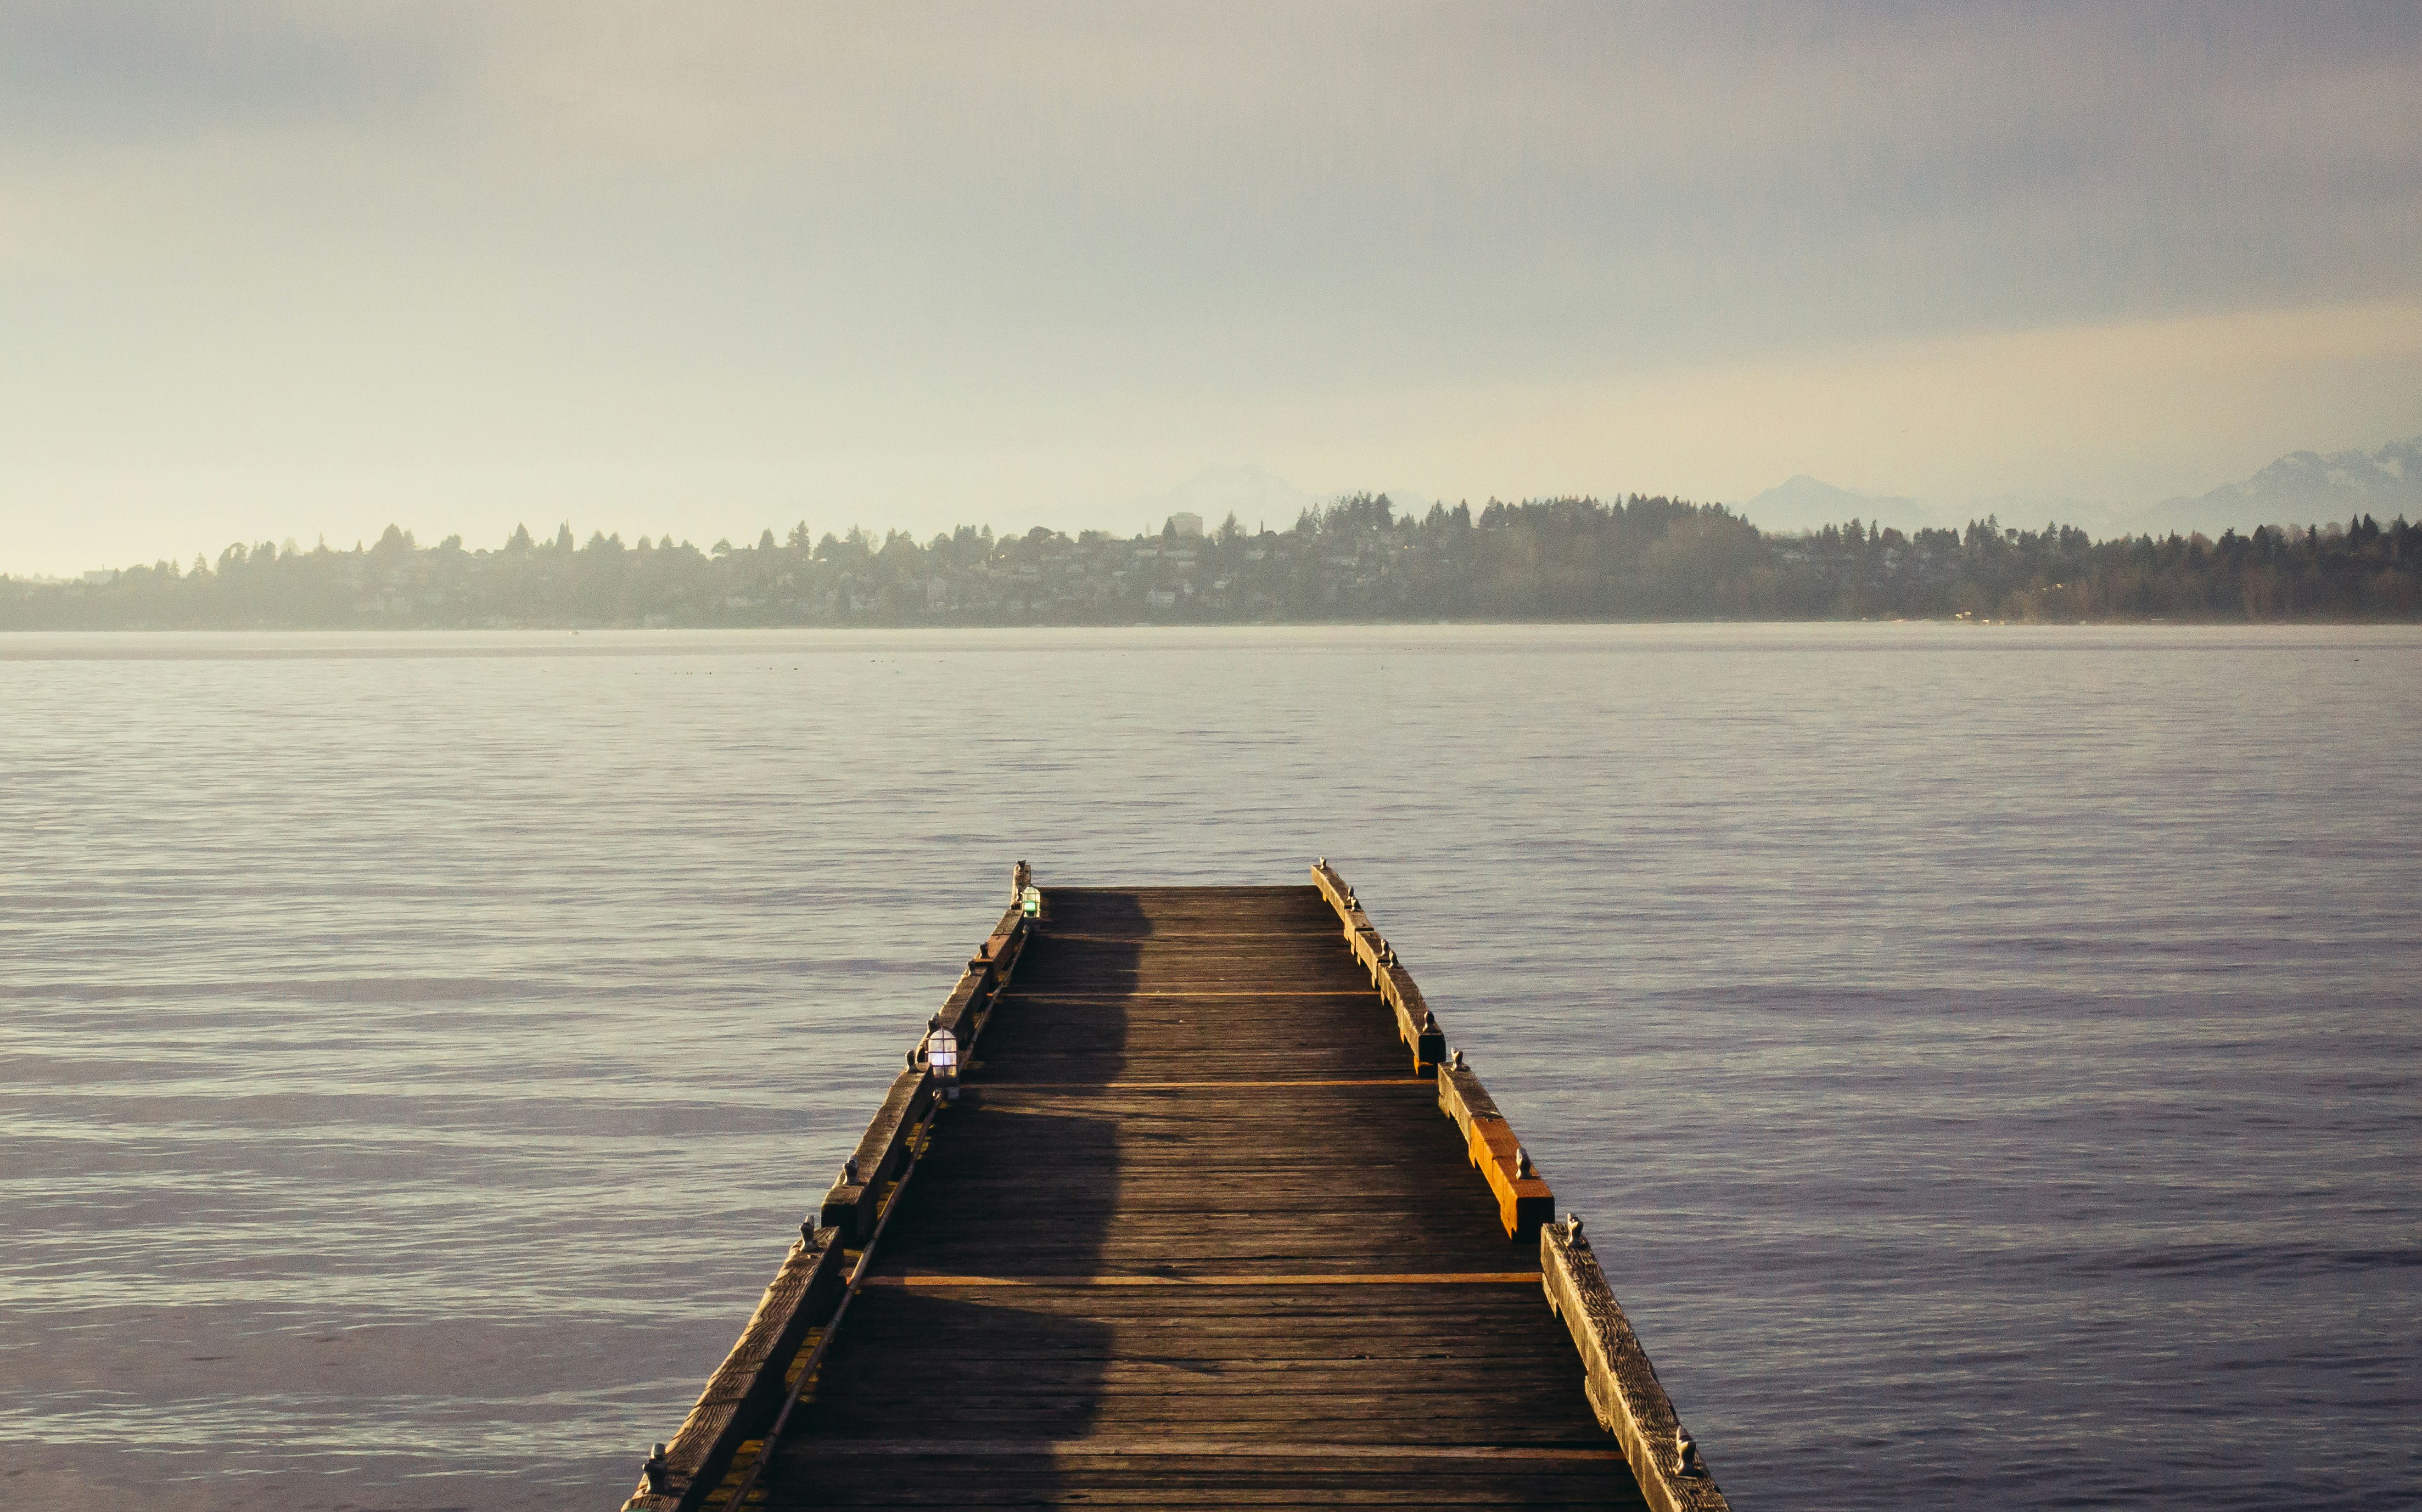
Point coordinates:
pixel 1202 1230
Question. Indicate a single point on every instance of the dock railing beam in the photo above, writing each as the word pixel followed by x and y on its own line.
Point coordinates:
pixel 851 1205
pixel 1621 1384
pixel 744 1390
pixel 753 1384
pixel 1415 1023
pixel 1623 1387
pixel 1523 1200
pixel 766 1374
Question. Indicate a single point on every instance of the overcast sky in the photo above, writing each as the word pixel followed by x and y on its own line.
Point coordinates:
pixel 272 271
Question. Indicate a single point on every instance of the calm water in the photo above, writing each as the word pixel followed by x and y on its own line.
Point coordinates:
pixel 1987 1058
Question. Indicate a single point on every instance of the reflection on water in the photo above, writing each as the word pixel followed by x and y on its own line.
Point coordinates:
pixel 1987 1058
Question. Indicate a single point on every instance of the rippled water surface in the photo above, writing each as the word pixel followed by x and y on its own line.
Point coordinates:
pixel 1987 1058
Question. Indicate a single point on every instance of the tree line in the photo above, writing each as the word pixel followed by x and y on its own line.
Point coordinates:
pixel 1358 558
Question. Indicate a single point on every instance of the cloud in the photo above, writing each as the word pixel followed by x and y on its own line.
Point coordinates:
pixel 2106 408
pixel 1089 247
pixel 102 74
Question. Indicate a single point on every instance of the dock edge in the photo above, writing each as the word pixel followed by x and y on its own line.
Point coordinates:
pixel 743 1394
pixel 1621 1383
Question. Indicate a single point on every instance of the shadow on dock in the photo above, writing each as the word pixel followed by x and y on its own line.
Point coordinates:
pixel 1218 1221
pixel 1012 1188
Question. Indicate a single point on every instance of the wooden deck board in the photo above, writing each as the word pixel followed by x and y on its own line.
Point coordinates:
pixel 1176 1387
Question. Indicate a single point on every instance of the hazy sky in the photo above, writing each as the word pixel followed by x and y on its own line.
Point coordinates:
pixel 272 271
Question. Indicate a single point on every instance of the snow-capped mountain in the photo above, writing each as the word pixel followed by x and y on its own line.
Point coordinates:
pixel 2305 488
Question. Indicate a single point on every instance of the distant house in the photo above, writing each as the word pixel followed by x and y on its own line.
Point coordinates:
pixel 1160 599
pixel 1185 524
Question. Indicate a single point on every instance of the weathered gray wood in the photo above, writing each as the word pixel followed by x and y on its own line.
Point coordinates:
pixel 851 1206
pixel 1524 1200
pixel 1191 1237
pixel 1523 1197
pixel 1623 1386
pixel 987 972
pixel 1416 1025
pixel 1462 1098
pixel 743 1389
pixel 1414 1021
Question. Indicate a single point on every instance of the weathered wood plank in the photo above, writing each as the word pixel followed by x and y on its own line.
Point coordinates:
pixel 852 1203
pixel 964 1011
pixel 742 1392
pixel 1191 1237
pixel 1523 1199
pixel 1462 1098
pixel 1415 1023
pixel 1624 1390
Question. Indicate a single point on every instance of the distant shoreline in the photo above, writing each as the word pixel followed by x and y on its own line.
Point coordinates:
pixel 924 627
pixel 1560 561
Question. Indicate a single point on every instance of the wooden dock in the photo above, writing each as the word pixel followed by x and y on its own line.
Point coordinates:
pixel 1209 1225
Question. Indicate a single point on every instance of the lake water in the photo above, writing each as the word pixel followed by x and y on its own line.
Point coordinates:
pixel 1987 1058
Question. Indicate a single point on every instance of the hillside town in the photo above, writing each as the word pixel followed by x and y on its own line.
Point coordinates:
pixel 1355 559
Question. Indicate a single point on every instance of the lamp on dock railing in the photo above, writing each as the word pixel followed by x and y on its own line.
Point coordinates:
pixel 941 1055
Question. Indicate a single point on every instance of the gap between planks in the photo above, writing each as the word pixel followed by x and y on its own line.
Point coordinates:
pixel 945 1446
pixel 1327 937
pixel 1430 1278
pixel 1042 994
pixel 1157 1086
